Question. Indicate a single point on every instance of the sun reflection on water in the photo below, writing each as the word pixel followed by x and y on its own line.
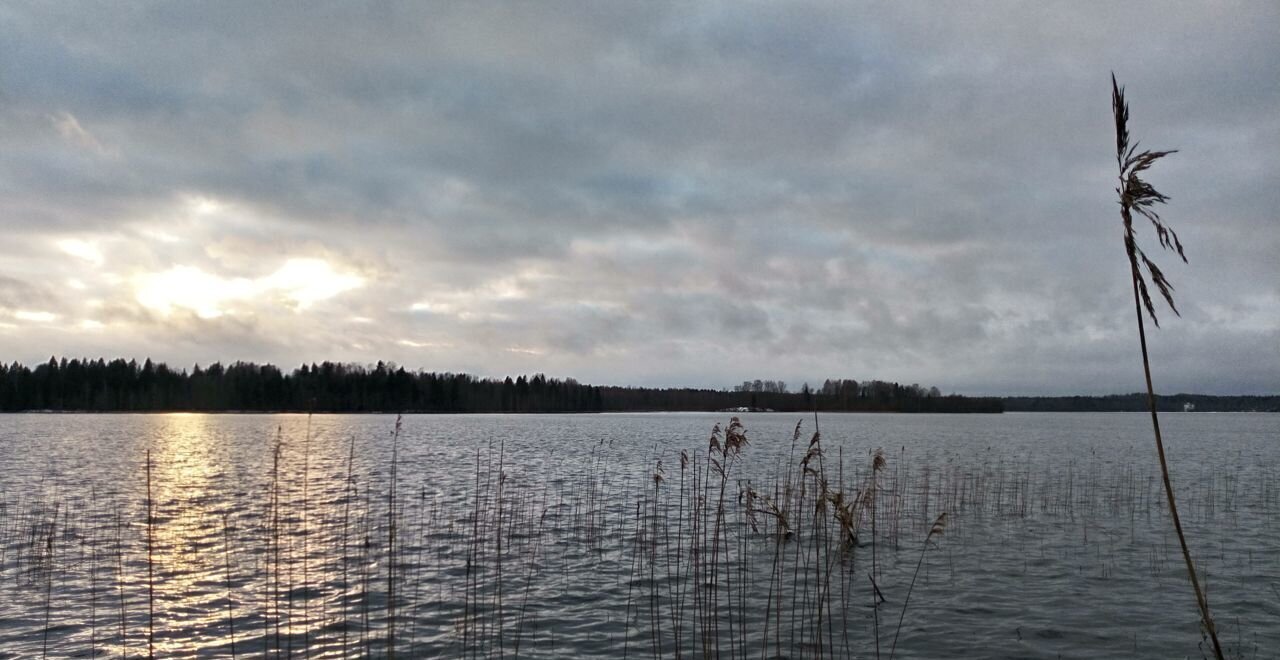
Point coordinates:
pixel 189 499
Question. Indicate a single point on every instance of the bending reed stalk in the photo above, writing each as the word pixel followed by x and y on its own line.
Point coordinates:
pixel 1137 196
pixel 936 530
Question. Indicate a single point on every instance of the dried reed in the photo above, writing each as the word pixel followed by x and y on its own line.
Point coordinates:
pixel 1138 196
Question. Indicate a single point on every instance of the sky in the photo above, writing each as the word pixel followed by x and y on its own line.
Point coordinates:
pixel 642 193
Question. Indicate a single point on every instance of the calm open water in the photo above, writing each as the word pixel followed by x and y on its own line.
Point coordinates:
pixel 546 536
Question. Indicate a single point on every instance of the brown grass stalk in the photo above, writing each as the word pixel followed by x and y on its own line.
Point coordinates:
pixel 1137 196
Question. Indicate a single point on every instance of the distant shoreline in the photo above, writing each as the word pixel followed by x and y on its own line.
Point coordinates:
pixel 125 386
pixel 1014 410
pixel 1137 402
pixel 497 412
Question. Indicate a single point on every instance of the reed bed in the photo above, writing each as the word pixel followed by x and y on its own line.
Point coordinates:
pixel 699 554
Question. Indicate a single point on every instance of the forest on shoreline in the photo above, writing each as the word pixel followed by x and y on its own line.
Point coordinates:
pixel 1137 402
pixel 120 385
pixel 126 386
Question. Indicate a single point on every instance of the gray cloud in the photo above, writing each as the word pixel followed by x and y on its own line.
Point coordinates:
pixel 648 193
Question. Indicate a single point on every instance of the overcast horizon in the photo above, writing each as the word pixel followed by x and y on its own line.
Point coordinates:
pixel 645 194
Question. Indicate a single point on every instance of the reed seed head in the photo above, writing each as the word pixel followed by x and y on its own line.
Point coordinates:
pixel 1138 196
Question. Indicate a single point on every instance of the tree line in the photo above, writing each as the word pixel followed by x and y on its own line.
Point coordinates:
pixel 125 385
pixel 1137 402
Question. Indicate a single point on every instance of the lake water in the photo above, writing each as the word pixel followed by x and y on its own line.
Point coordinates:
pixel 549 536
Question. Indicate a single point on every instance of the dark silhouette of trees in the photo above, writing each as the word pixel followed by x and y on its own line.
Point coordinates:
pixel 120 385
pixel 1137 402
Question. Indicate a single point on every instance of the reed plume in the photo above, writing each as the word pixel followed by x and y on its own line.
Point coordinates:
pixel 1138 196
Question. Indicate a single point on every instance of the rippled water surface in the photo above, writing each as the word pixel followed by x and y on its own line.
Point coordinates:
pixel 593 536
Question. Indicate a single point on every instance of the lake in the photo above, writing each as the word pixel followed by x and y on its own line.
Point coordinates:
pixel 617 535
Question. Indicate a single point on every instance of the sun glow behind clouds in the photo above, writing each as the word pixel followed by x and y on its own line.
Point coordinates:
pixel 35 317
pixel 298 283
pixel 307 281
pixel 81 250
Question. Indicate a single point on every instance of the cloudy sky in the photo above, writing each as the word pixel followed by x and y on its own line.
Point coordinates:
pixel 640 193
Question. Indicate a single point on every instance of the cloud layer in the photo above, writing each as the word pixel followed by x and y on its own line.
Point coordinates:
pixel 639 193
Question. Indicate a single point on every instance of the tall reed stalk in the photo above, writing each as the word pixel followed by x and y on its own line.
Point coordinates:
pixel 391 543
pixel 48 577
pixel 274 548
pixel 151 577
pixel 1137 196
pixel 306 555
pixel 124 630
pixel 348 494
pixel 93 596
pixel 939 525
pixel 226 555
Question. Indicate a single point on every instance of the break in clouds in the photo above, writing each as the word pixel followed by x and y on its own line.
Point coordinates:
pixel 657 194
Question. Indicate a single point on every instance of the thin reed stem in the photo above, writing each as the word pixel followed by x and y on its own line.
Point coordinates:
pixel 1137 196
pixel 391 544
pixel 151 578
pixel 226 553
pixel 936 529
pixel 306 556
